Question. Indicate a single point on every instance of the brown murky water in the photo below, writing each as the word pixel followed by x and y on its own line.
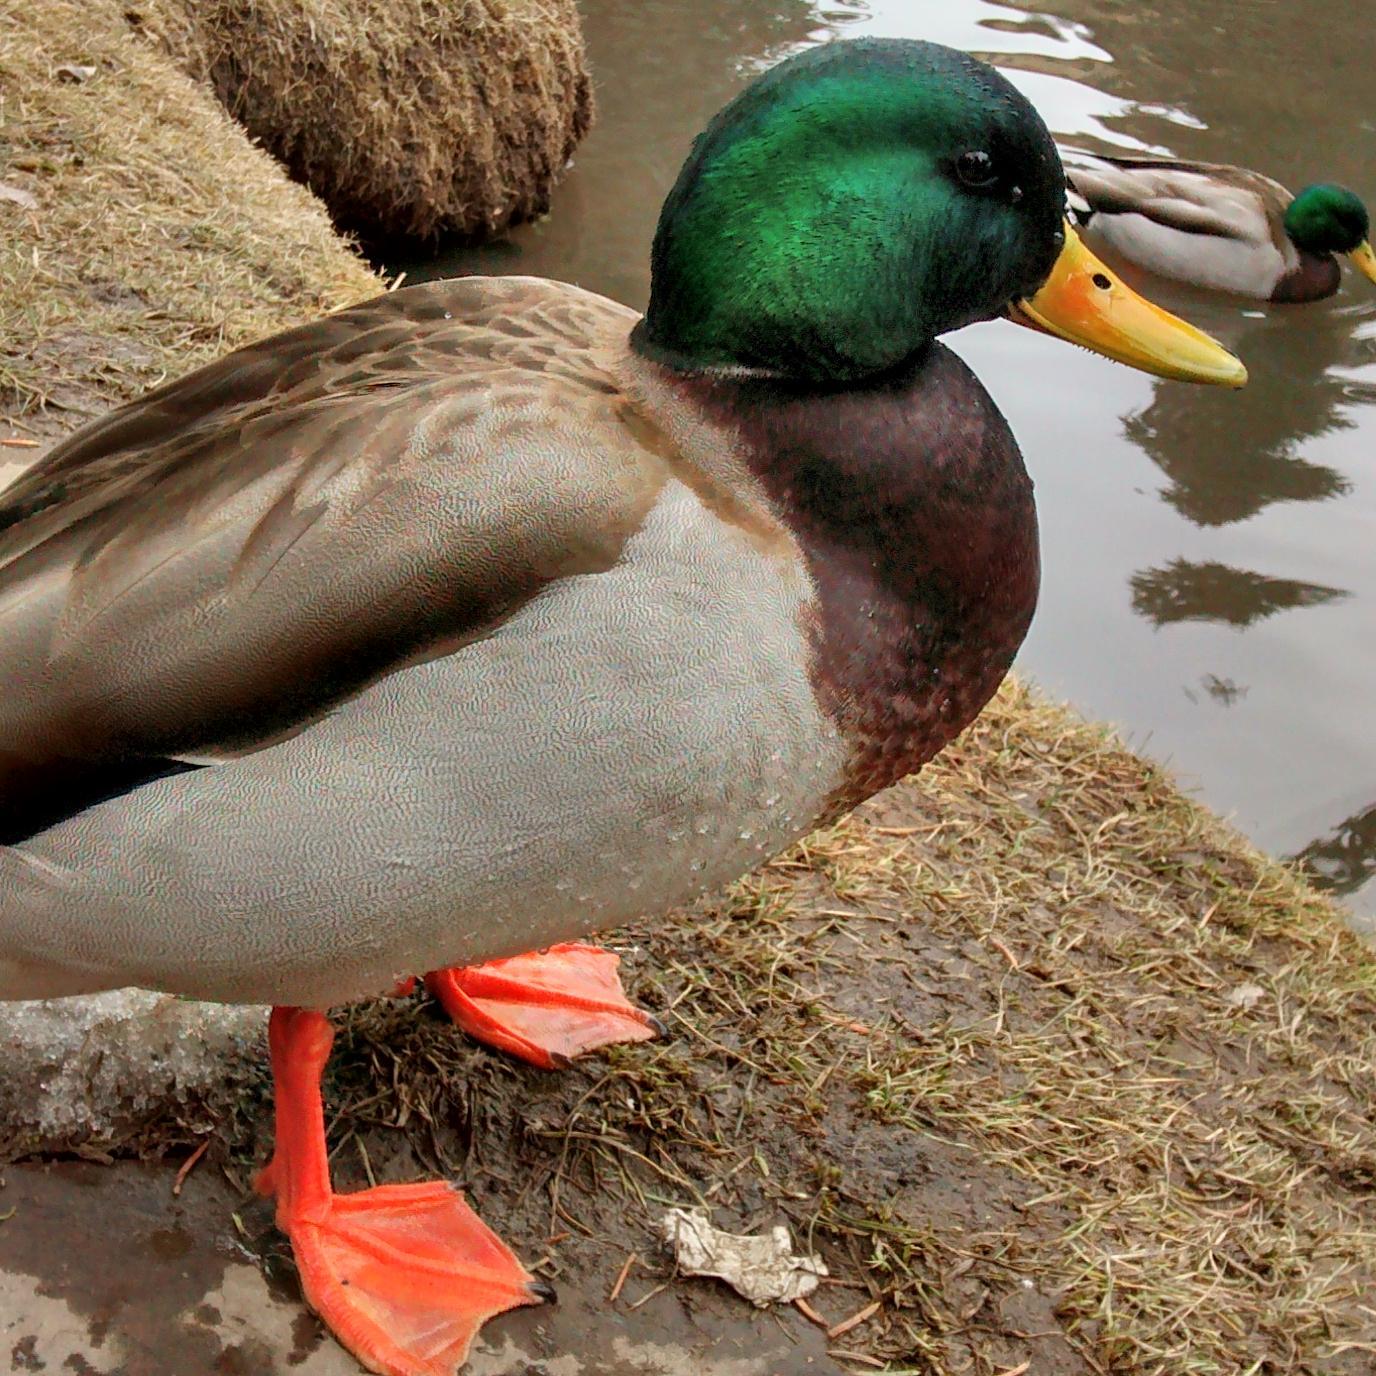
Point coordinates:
pixel 1210 568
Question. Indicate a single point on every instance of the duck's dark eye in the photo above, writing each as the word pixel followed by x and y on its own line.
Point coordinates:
pixel 976 168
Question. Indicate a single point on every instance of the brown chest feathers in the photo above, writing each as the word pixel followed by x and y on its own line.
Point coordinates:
pixel 912 505
pixel 1314 277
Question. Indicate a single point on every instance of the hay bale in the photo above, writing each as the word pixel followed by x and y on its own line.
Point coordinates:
pixel 408 117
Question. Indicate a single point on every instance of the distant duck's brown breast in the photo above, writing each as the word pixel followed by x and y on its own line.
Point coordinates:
pixel 1313 278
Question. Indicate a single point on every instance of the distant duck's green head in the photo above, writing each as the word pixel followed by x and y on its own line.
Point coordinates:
pixel 863 197
pixel 1327 218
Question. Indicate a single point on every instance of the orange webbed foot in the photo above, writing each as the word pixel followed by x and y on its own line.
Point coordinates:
pixel 545 1007
pixel 403 1275
pixel 406 1275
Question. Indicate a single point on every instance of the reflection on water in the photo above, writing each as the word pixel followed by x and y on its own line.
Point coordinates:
pixel 1223 690
pixel 1345 859
pixel 1227 462
pixel 1184 591
pixel 1202 549
pixel 1266 84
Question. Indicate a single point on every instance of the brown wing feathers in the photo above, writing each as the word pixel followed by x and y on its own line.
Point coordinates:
pixel 213 566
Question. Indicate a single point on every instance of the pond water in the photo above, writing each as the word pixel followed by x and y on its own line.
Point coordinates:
pixel 1210 567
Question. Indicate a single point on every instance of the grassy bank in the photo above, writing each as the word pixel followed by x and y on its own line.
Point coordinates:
pixel 143 234
pixel 1051 1065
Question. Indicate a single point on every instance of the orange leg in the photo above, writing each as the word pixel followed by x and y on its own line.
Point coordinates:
pixel 403 1275
pixel 544 1007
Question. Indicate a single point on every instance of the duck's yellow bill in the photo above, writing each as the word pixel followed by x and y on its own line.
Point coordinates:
pixel 1084 302
pixel 1364 260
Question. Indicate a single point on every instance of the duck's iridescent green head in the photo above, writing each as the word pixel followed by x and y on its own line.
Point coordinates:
pixel 851 204
pixel 862 198
pixel 1327 218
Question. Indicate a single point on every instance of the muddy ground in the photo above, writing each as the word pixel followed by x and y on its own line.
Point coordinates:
pixel 182 1290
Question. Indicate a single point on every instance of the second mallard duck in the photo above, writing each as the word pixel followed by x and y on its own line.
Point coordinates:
pixel 1219 227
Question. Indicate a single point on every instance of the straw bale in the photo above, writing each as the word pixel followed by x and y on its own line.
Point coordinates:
pixel 406 117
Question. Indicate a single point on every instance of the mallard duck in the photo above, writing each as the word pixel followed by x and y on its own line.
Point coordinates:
pixel 431 636
pixel 1219 227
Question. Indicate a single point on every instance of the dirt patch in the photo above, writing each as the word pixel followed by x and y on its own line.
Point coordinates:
pixel 406 117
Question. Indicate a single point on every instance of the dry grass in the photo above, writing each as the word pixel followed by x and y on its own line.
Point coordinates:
pixel 160 238
pixel 411 117
pixel 1172 1045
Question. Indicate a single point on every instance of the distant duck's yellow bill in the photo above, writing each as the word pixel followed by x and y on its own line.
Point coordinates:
pixel 1084 302
pixel 1364 260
